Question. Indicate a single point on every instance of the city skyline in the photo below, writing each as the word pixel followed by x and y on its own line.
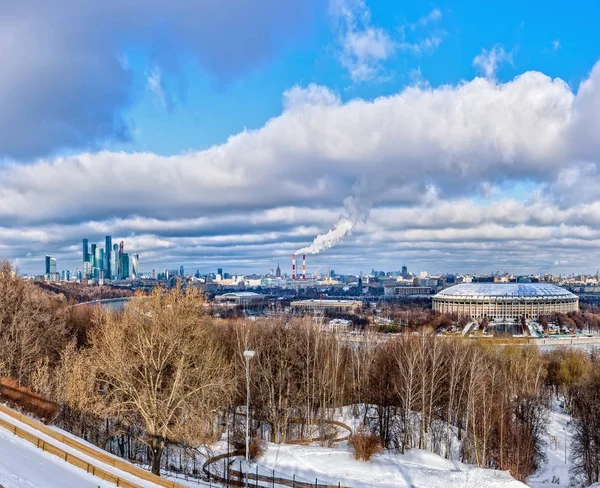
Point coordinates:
pixel 427 134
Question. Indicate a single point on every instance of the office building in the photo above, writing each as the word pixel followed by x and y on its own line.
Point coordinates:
pixel 93 257
pixel 181 271
pixel 135 266
pixel 50 265
pixel 86 251
pixel 124 265
pixel 108 272
pixel 114 260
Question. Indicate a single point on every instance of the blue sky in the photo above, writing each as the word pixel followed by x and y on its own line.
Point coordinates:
pixel 206 110
pixel 229 134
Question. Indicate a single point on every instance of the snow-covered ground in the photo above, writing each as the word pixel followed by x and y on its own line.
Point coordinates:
pixel 415 469
pixel 23 465
pixel 74 452
pixel 555 472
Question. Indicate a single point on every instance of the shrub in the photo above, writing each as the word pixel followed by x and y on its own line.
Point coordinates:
pixel 257 448
pixel 365 444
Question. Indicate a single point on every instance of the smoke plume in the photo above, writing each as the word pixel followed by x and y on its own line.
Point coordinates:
pixel 357 209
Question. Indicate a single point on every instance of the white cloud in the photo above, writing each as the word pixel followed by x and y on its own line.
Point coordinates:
pixel 412 154
pixel 556 45
pixel 154 83
pixel 434 16
pixel 364 47
pixel 487 61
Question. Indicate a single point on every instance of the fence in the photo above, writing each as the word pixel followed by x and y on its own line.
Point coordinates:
pixel 69 458
pixel 87 450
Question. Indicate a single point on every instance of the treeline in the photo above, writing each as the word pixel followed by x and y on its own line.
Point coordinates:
pixel 166 372
pixel 81 292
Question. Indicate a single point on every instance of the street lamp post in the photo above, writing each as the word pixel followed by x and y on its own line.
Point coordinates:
pixel 248 355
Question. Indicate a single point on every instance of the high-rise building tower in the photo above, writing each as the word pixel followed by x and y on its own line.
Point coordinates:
pixel 98 261
pixel 124 265
pixel 181 271
pixel 86 251
pixel 93 257
pixel 50 265
pixel 108 271
pixel 135 266
pixel 114 261
pixel 121 251
pixel 278 271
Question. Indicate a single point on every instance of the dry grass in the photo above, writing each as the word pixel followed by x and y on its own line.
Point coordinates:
pixel 365 444
pixel 26 400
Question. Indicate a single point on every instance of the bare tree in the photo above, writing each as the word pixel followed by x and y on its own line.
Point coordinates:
pixel 158 361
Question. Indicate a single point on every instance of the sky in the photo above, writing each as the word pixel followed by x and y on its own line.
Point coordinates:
pixel 447 136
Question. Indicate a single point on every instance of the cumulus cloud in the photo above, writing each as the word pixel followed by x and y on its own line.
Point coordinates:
pixel 487 62
pixel 419 156
pixel 64 82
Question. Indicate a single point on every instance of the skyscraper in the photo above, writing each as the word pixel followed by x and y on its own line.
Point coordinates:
pixel 181 271
pixel 50 265
pixel 121 251
pixel 108 272
pixel 93 257
pixel 135 266
pixel 278 271
pixel 98 261
pixel 86 251
pixel 124 265
pixel 114 257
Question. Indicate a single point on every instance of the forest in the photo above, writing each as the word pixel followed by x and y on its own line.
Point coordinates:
pixel 164 373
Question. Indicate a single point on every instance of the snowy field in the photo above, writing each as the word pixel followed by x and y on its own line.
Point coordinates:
pixel 415 469
pixel 22 465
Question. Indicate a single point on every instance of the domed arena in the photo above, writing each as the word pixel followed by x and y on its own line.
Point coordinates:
pixel 505 301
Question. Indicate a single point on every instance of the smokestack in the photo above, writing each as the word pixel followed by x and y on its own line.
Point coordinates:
pixel 304 266
pixel 293 266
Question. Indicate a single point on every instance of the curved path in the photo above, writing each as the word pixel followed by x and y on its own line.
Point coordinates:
pixel 236 476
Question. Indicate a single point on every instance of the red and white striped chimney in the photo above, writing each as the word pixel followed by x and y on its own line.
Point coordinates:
pixel 304 266
pixel 293 266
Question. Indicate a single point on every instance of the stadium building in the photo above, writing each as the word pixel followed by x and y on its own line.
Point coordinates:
pixel 505 301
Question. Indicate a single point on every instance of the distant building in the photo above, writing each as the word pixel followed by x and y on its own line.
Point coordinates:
pixel 135 266
pixel 108 271
pixel 124 266
pixel 181 271
pixel 50 265
pixel 318 306
pixel 404 271
pixel 86 257
pixel 278 271
pixel 114 257
pixel 92 257
pixel 240 298
pixel 405 291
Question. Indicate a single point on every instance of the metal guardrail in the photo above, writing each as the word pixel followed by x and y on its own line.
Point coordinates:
pixel 88 451
pixel 69 458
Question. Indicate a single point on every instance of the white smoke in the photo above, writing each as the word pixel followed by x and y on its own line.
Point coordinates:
pixel 357 210
pixel 325 241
